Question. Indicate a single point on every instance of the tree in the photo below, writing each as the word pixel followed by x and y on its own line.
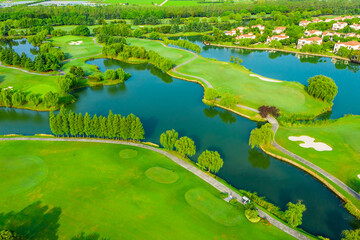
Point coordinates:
pixel 211 94
pixel 261 136
pixel 110 74
pixel 294 213
pixel 322 87
pixel 72 123
pixel 185 146
pixel 351 234
pixel 228 100
pixel 53 123
pixel 265 110
pixel 87 125
pixel 168 139
pixel 80 124
pixel 80 30
pixel 137 130
pixel 34 99
pixel 154 35
pixel 211 161
pixel 8 235
pixel 120 74
pixel 64 84
pixel 51 99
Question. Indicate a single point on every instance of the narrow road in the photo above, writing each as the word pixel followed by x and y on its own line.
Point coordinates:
pixel 212 181
pixel 161 4
pixel 275 127
pixel 34 73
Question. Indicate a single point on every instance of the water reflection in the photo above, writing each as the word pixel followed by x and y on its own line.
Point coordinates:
pixel 225 116
pixel 258 158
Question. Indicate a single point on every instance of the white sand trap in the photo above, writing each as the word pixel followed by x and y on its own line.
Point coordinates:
pixel 264 78
pixel 75 43
pixel 309 143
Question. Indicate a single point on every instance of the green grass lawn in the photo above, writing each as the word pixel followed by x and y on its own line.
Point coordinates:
pixel 181 3
pixel 71 27
pixel 86 48
pixel 228 77
pixel 27 82
pixel 121 192
pixel 343 136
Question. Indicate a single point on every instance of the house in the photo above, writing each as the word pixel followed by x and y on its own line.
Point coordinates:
pixel 352 45
pixel 352 35
pixel 339 25
pixel 231 33
pixel 246 36
pixel 277 37
pixel 260 27
pixel 312 40
pixel 338 19
pixel 348 17
pixel 316 20
pixel 330 34
pixel 304 23
pixel 355 26
pixel 309 33
pixel 241 29
pixel 279 30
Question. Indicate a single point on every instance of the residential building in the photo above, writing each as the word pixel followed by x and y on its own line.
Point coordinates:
pixel 231 33
pixel 260 27
pixel 246 36
pixel 241 29
pixel 279 30
pixel 355 26
pixel 312 40
pixel 304 23
pixel 316 20
pixel 351 35
pixel 330 34
pixel 339 25
pixel 309 33
pixel 352 45
pixel 277 37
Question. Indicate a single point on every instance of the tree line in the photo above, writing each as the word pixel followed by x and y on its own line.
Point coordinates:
pixel 125 52
pixel 9 98
pixel 208 160
pixel 114 126
pixel 183 44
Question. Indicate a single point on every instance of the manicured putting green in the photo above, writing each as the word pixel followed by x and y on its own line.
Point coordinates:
pixel 206 203
pixel 128 153
pixel 162 175
pixel 20 173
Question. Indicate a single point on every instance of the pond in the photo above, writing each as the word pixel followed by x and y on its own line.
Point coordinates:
pixel 21 46
pixel 298 68
pixel 164 103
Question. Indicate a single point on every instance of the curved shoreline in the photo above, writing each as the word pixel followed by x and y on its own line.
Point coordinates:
pixel 281 50
pixel 187 166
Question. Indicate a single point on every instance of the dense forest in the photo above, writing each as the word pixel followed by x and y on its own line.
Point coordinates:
pixel 84 15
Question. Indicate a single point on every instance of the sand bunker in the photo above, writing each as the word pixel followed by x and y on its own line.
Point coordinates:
pixel 75 43
pixel 309 143
pixel 264 78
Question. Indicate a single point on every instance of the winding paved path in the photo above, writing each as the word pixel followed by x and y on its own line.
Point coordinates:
pixel 212 181
pixel 182 64
pixel 275 127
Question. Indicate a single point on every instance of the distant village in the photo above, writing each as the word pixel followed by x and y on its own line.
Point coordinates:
pixel 310 36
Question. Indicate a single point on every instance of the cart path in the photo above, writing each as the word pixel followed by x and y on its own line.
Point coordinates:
pixel 210 180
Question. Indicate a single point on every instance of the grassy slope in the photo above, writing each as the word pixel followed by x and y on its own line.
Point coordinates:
pixel 27 82
pixel 228 77
pixel 343 136
pixel 102 188
pixel 87 48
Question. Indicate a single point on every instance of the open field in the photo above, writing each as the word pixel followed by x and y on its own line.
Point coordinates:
pixel 343 136
pixel 86 48
pixel 228 77
pixel 27 82
pixel 118 191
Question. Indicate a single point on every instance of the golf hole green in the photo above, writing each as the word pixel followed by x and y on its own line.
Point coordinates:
pixel 128 153
pixel 162 175
pixel 20 174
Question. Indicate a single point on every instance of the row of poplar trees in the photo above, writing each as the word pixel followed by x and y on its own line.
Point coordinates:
pixel 114 126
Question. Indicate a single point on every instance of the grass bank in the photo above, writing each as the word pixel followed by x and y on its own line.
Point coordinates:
pixel 343 136
pixel 118 191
